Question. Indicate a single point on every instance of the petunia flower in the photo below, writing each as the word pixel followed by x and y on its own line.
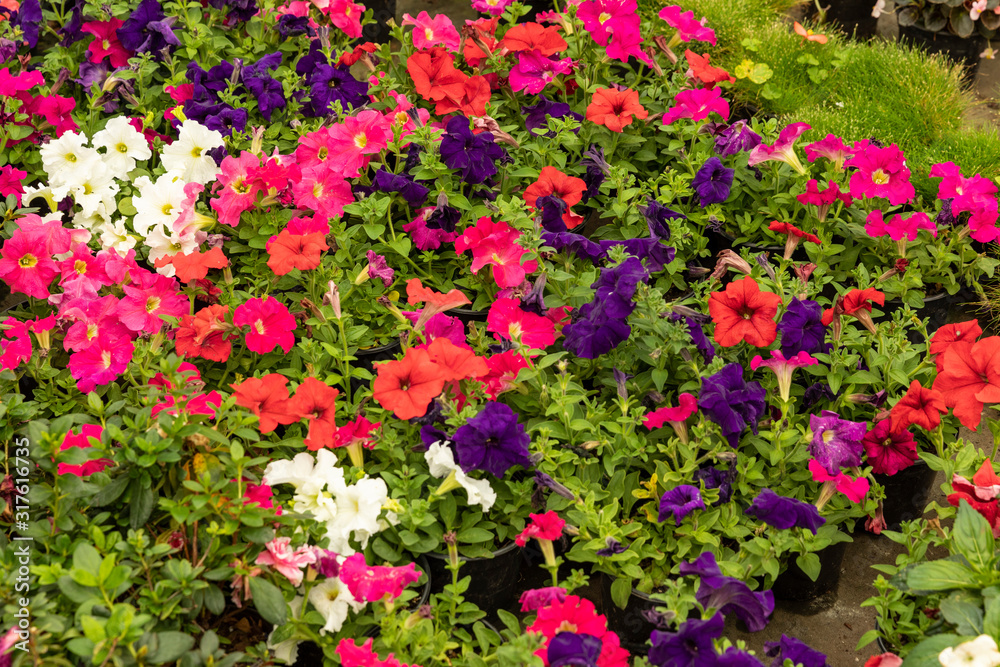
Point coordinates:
pixel 503 370
pixel 782 150
pixel 784 513
pixel 676 417
pixel 919 406
pixel 492 441
pixel 363 656
pixel 697 104
pixel 980 492
pixel 736 138
pixel 534 71
pixel 428 32
pixel 578 613
pixel 889 449
pixel 836 442
pixel 790 648
pixel 807 34
pixel 802 328
pixel 783 368
pixel 898 228
pixel 688 29
pixel 15 343
pixel 713 182
pixel 744 313
pixel 969 378
pixel 830 147
pixel 967 332
pixel 794 236
pixel 441 464
pixel 825 199
pixel 856 303
pixel 880 172
pixel 374 583
pixel 854 489
pixel 570 648
pixel 547 526
pixel 407 386
pixel 288 251
pixel 148 29
pixel 205 335
pixel 508 321
pixel 728 594
pixel 529 36
pixel 346 15
pixel 188 156
pixel 26 264
pixel 492 7
pixel 271 325
pixel 693 643
pixel 615 108
pixel 149 297
pixel 731 402
pixel 82 441
pixel 267 397
pixel 475 155
pixel 680 501
pixel 704 73
pixel 981 651
pixel 105 43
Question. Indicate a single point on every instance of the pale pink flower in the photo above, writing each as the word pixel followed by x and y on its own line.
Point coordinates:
pixel 783 150
pixel 279 555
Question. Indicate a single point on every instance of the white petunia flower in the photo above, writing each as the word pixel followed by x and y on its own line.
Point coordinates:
pixel 188 154
pixel 980 652
pixel 162 243
pixel 358 509
pixel 67 160
pixel 94 220
pixel 97 188
pixel 441 461
pixel 123 145
pixel 157 203
pixel 333 600
pixel 114 236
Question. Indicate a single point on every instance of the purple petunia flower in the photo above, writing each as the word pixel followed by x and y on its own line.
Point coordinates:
pixel 784 513
pixel 616 286
pixel 378 269
pixel 148 29
pixel 268 92
pixel 72 30
pixel 698 337
pixel 290 25
pixel 28 18
pixel 326 564
pixel 535 115
pixel 578 650
pixel 590 337
pixel 691 646
pixel 680 501
pixel 91 74
pixel 552 208
pixel 836 442
pixel 414 193
pixel 790 648
pixel 546 482
pixel 713 182
pixel 802 328
pixel 492 441
pixel 613 547
pixel 429 434
pixel 228 120
pixel 239 10
pixel 577 244
pixel 600 326
pixel 727 594
pixel 657 216
pixel 731 402
pixel 733 657
pixel 736 138
pixel 815 393
pixel 655 254
pixel 328 85
pixel 713 478
pixel 474 154
pixel 946 215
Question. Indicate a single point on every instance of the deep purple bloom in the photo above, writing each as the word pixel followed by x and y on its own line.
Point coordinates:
pixel 600 326
pixel 700 340
pixel 733 657
pixel 444 217
pixel 535 115
pixel 429 434
pixel 577 244
pixel 28 18
pixel 71 30
pixel 713 478
pixel 594 157
pixel 946 216
pixel 147 29
pixel 552 208
pixel 590 338
pixel 329 84
pixel 593 178
pixel 680 501
pixel 836 442
pixel 474 154
pixel 691 646
pixel 616 286
pixel 802 329
pixel 713 182
pixel 289 25
pixel 613 547
pixel 790 648
pixel 735 138
pixel 655 254
pixel 492 441
pixel 727 594
pixel 657 216
pixel 534 300
pixel 268 92
pixel 228 120
pixel 576 650
pixel 782 512
pixel 546 482
pixel 239 10
pixel 620 382
pixel 91 74
pixel 414 193
pixel 732 402
pixel 327 564
pixel 815 393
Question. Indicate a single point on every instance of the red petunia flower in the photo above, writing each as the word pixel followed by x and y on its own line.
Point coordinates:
pixel 858 304
pixel 794 236
pixel 434 75
pixel 204 334
pixel 315 401
pixel 919 406
pixel 706 73
pixel 966 332
pixel 295 251
pixel 456 363
pixel 407 386
pixel 547 526
pixel 889 450
pixel 551 181
pixel 106 42
pixel 688 405
pixel 195 265
pixel 534 37
pixel 744 313
pixel 503 370
pixel 981 493
pixel 970 378
pixel 614 108
pixel 266 397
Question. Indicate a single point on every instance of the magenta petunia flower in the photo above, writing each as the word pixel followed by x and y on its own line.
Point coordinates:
pixel 832 148
pixel 854 489
pixel 898 227
pixel 271 325
pixel 26 264
pixel 508 321
pixel 354 140
pixel 687 406
pixel 823 200
pixel 697 104
pixel 688 29
pixel 783 150
pixel 100 363
pixel 534 71
pixel 437 31
pixel 836 442
pixel 881 172
pixel 547 526
pixel 15 343
pixel 91 318
pixel 237 190
pixel 372 583
pixel 346 15
pixel 973 195
pixel 148 297
pixel 537 598
pixel 783 368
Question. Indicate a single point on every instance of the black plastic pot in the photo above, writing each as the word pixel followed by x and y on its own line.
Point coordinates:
pixel 494 580
pixel 853 16
pixel 962 50
pixel 466 315
pixel 718 241
pixel 629 624
pixel 795 585
pixel 378 32
pixel 906 493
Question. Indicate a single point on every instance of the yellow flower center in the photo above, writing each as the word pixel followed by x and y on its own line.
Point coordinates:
pixel 428 34
pixel 167 209
pixel 105 44
pixel 196 151
pixel 603 18
pixel 92 331
pixel 121 148
pixel 322 153
pixel 828 436
pixel 70 157
pixel 106 359
pixel 259 327
pixel 361 140
pixel 879 177
pixel 27 261
pixel 80 266
pixel 152 303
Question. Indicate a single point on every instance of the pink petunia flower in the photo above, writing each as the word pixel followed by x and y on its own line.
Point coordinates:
pixel 534 71
pixel 82 440
pixel 823 200
pixel 697 104
pixel 547 526
pixel 783 150
pixel 536 598
pixel 783 368
pixel 899 228
pixel 148 298
pixel 100 363
pixel 832 148
pixel 26 264
pixel 15 343
pixel 12 182
pixel 12 84
pixel 346 15
pixel 491 7
pixel 237 191
pixel 975 195
pixel 507 321
pixel 83 275
pixel 688 29
pixel 271 325
pixel 259 494
pixel 322 190
pixel 279 555
pixel 437 31
pixel 854 489
pixel 106 43
pixel 675 416
pixel 356 139
pixel 880 172
pixel 504 368
pixel 424 237
pixel 374 583
pixel 314 148
pixel 91 318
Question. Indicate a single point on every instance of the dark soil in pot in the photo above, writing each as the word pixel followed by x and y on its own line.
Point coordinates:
pixel 378 32
pixel 854 17
pixel 795 585
pixel 494 580
pixel 906 493
pixel 629 624
pixel 466 315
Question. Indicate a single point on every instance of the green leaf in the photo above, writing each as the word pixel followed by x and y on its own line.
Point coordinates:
pixel 621 590
pixel 756 72
pixel 141 506
pixel 269 601
pixel 940 575
pixel 966 615
pixel 168 646
pixel 973 538
pixel 991 620
pixel 809 564
pixel 926 653
pixel 474 535
pixel 86 558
